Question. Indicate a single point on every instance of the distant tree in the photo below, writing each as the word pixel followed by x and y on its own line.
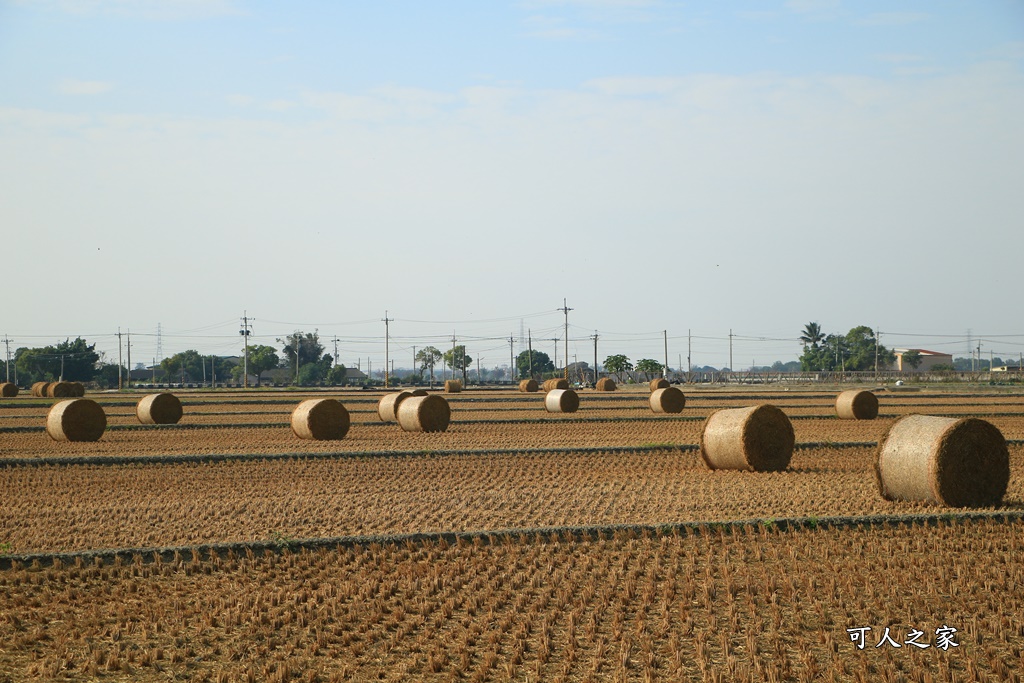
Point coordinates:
pixel 308 346
pixel 617 365
pixel 861 343
pixel 457 360
pixel 649 367
pixel 428 357
pixel 790 366
pixel 78 359
pixel 106 375
pixel 185 366
pixel 261 359
pixel 541 363
pixel 912 358
pixel 336 375
pixel 942 367
pixel 812 334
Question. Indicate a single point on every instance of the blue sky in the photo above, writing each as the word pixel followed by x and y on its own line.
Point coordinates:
pixel 699 166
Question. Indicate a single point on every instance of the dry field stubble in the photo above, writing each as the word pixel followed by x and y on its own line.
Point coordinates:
pixel 707 607
pixel 71 508
pixel 748 604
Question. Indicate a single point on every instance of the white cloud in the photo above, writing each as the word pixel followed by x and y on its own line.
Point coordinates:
pixel 73 87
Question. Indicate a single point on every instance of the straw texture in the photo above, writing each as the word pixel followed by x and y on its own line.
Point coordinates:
pixel 389 403
pixel 758 439
pixel 856 404
pixel 955 462
pixel 321 419
pixel 659 383
pixel 424 414
pixel 77 419
pixel 159 409
pixel 562 401
pixel 668 400
pixel 605 384
pixel 528 385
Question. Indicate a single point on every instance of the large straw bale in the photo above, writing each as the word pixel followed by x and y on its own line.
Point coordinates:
pixel 452 386
pixel 605 384
pixel 856 404
pixel 159 409
pixel 77 419
pixel 528 385
pixel 38 389
pixel 389 403
pixel 8 389
pixel 660 383
pixel 668 400
pixel 61 390
pixel 956 462
pixel 424 413
pixel 322 419
pixel 758 439
pixel 555 383
pixel 562 401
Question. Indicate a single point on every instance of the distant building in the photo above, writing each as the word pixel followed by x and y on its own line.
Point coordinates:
pixel 929 359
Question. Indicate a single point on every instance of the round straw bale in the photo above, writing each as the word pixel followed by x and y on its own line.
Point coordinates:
pixel 77 419
pixel 61 390
pixel 660 383
pixel 452 386
pixel 417 392
pixel 389 403
pixel 159 409
pixel 856 405
pixel 757 439
pixel 38 389
pixel 555 383
pixel 605 384
pixel 668 400
pixel 424 413
pixel 322 419
pixel 959 463
pixel 562 401
pixel 528 385
pixel 79 388
pixel 8 389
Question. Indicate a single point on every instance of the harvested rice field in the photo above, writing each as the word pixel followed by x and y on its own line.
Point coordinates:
pixel 516 546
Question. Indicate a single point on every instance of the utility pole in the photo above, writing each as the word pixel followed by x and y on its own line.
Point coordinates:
pixel 7 343
pixel 453 354
pixel 555 362
pixel 478 368
pixel 213 371
pixel 595 357
pixel 565 309
pixel 664 372
pixel 414 361
pixel 129 359
pixel 730 351
pixel 387 340
pixel 335 340
pixel 529 348
pixel 512 358
pixel 61 367
pixel 245 357
pixel 296 356
pixel 689 358
pixel 878 334
pixel 119 362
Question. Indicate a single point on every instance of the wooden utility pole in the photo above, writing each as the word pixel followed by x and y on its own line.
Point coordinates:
pixel 565 309
pixel 595 357
pixel 129 359
pixel 245 358
pixel 529 348
pixel 664 371
pixel 512 357
pixel 387 340
pixel 689 358
pixel 120 363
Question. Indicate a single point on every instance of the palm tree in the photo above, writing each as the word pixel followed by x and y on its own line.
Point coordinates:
pixel 812 334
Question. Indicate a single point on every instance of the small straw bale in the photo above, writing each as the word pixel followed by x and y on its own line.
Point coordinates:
pixel 37 389
pixel 79 389
pixel 528 385
pixel 605 384
pixel 8 389
pixel 660 383
pixel 555 383
pixel 77 419
pixel 953 462
pixel 668 400
pixel 757 439
pixel 389 403
pixel 417 392
pixel 562 401
pixel 321 419
pixel 452 386
pixel 424 413
pixel 856 404
pixel 61 390
pixel 159 409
